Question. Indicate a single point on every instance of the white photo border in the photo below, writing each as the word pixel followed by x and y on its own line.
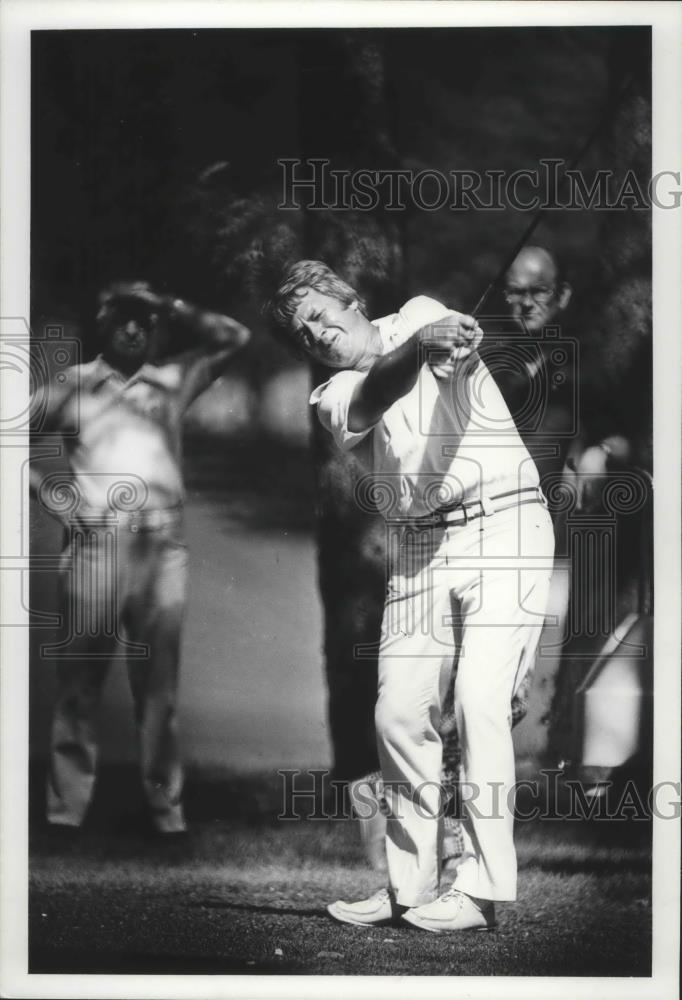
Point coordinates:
pixel 17 19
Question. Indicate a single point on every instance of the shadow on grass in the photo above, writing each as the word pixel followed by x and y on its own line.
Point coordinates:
pixel 276 911
pixel 118 804
pixel 219 802
pixel 599 865
pixel 74 961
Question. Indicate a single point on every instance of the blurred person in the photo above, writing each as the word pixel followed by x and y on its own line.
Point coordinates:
pixel 607 461
pixel 405 393
pixel 124 569
pixel 538 296
pixel 587 466
pixel 535 289
pixel 604 589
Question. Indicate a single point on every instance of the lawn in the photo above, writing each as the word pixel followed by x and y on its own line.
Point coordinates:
pixel 246 893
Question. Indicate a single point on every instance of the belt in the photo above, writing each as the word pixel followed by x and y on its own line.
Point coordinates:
pixel 462 513
pixel 152 519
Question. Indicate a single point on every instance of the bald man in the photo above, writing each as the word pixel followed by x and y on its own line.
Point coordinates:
pixel 535 290
pixel 537 381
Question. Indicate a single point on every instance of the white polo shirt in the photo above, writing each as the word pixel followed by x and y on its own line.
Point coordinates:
pixel 122 435
pixel 448 439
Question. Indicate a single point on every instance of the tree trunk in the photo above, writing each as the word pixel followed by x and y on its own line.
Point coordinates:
pixel 345 117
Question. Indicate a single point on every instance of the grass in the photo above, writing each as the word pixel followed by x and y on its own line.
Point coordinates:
pixel 246 894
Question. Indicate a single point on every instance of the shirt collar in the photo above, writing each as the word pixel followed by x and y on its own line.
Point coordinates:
pixel 153 374
pixel 102 372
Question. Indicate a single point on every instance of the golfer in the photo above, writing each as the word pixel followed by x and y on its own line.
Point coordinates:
pixel 470 565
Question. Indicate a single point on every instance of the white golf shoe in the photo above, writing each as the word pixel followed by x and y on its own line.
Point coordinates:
pixel 453 911
pixel 379 909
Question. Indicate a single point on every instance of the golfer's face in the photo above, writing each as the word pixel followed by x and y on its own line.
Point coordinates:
pixel 334 334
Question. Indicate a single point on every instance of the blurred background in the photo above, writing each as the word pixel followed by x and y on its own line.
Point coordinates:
pixel 154 156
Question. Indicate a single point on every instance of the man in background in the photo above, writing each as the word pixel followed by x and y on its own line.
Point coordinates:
pixel 124 569
pixel 534 373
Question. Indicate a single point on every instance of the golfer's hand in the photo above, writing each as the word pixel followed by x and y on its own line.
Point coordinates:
pixel 450 343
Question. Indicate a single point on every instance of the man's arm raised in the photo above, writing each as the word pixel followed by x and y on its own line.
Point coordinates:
pixel 218 336
pixel 214 338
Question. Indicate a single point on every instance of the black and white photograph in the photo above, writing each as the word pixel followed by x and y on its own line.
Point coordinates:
pixel 340 443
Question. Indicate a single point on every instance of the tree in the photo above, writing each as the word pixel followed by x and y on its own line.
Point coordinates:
pixel 340 72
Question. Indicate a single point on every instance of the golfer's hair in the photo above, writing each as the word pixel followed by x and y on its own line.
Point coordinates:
pixel 309 274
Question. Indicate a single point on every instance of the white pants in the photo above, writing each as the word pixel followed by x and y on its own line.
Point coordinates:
pixel 135 578
pixel 475 596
